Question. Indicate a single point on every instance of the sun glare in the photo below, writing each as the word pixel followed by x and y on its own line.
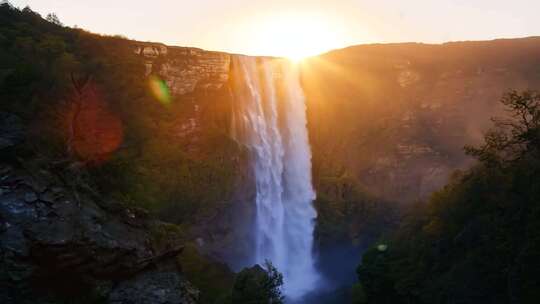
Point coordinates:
pixel 296 36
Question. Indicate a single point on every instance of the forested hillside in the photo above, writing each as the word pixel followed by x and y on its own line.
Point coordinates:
pixel 88 155
pixel 477 240
pixel 87 97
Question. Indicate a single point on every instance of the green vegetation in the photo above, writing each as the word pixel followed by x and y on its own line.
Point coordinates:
pixel 258 286
pixel 347 213
pixel 214 280
pixel 85 100
pixel 478 239
pixel 47 70
pixel 255 285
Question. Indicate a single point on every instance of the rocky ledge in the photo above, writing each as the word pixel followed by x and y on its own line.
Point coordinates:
pixel 59 241
pixel 184 69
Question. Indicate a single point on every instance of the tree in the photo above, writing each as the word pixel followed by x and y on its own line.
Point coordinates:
pixel 53 18
pixel 512 137
pixel 453 248
pixel 256 285
pixel 7 3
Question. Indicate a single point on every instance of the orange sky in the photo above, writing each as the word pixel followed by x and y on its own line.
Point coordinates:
pixel 281 27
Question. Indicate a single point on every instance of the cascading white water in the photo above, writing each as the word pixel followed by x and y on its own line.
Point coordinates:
pixel 270 119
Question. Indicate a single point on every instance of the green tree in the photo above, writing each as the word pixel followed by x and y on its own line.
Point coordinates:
pixel 474 240
pixel 514 135
pixel 53 18
pixel 256 285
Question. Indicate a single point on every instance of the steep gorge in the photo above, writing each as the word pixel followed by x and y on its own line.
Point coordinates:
pixel 386 123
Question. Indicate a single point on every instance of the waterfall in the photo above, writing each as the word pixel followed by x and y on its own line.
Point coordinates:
pixel 270 120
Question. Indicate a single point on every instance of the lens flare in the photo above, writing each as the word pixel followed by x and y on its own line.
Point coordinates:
pixel 382 247
pixel 94 132
pixel 159 90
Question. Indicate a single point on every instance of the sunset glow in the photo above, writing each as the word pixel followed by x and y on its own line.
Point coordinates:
pixel 296 36
pixel 296 28
pixel 278 151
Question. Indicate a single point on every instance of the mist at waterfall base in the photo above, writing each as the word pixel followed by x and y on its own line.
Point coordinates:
pixel 269 118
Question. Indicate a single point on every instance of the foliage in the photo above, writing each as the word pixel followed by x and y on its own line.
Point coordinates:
pixel 50 74
pixel 348 212
pixel 258 286
pixel 213 279
pixel 515 136
pixel 349 219
pixel 52 18
pixel 474 241
pixel 148 165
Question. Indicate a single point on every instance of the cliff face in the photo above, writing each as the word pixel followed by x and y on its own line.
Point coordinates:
pixel 200 117
pixel 396 117
pixel 61 241
pixel 186 70
pixel 391 118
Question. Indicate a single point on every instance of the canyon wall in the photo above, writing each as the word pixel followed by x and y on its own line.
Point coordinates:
pixel 132 130
pixel 186 69
pixel 395 116
pixel 200 117
pixel 386 123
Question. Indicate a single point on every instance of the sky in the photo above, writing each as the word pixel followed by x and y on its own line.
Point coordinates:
pixel 278 27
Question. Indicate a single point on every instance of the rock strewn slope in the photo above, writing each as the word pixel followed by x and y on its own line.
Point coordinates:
pixel 69 242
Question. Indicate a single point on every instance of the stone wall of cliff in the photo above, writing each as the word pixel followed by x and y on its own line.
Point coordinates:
pixel 186 70
pixel 388 119
pixel 403 112
pixel 61 241
pixel 397 116
pixel 198 82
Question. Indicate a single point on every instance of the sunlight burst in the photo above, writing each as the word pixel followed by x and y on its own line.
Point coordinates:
pixel 296 36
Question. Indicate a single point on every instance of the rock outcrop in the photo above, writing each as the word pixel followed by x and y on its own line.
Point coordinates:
pixel 186 70
pixel 59 240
